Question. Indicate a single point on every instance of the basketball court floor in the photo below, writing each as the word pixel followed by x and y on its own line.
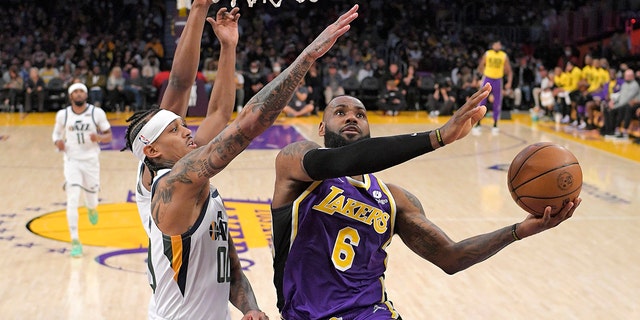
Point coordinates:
pixel 586 268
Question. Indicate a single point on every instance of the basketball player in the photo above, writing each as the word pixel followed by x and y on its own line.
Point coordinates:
pixel 191 255
pixel 332 220
pixel 176 97
pixel 78 130
pixel 493 67
pixel 183 74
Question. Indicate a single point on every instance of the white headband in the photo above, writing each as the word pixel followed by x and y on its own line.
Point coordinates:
pixel 77 86
pixel 151 131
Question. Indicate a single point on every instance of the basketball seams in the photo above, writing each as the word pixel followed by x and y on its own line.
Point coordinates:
pixel 524 161
pixel 554 172
pixel 513 188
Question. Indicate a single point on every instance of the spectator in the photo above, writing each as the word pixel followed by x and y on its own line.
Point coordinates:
pixel 332 83
pixel 365 71
pixel 135 89
pixel 315 83
pixel 276 68
pixel 49 71
pixel 523 81
pixel 12 88
pixel 409 87
pixel 34 90
pixel 97 83
pixel 156 46
pixel 115 89
pixel 299 106
pixel 440 102
pixel 209 72
pixel 392 100
pixel 255 79
pixel 617 115
pixel 239 90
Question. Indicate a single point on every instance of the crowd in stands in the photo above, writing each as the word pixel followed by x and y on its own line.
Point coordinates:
pixel 427 51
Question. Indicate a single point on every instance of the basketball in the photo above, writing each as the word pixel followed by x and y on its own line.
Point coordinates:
pixel 544 174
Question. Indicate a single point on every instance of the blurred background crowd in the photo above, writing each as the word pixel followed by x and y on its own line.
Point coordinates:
pixel 122 50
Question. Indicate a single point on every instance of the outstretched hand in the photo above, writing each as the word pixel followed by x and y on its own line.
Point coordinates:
pixel 466 117
pixel 331 33
pixel 532 224
pixel 225 26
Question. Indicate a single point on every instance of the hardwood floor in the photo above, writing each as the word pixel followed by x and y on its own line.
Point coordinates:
pixel 586 268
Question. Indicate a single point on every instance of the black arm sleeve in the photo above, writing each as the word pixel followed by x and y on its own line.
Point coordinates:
pixel 365 156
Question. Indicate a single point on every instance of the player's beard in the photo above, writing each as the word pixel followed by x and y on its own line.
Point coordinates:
pixel 334 140
pixel 78 103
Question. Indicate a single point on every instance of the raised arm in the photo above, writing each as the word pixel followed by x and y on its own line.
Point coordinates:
pixel 222 99
pixel 431 243
pixel 188 182
pixel 185 60
pixel 261 110
pixel 302 162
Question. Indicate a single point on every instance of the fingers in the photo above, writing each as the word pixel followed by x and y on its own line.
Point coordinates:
pixel 481 94
pixel 348 16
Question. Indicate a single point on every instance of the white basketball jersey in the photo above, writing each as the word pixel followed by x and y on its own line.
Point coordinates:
pixel 78 128
pixel 189 273
pixel 143 199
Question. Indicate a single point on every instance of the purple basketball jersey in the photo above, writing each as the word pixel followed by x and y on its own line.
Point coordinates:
pixel 336 260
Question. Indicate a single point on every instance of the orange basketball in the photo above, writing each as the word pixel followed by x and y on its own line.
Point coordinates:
pixel 544 174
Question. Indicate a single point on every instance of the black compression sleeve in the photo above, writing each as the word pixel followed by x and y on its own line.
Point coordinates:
pixel 365 156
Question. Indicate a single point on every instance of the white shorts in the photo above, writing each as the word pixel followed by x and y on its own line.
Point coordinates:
pixel 82 173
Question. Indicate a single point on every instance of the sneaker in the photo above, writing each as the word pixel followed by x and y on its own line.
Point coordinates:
pixel 582 125
pixel 622 136
pixel 574 123
pixel 565 119
pixel 610 136
pixel 495 131
pixel 76 249
pixel 93 216
pixel 475 130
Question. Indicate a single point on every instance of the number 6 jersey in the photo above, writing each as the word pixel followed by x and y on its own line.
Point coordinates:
pixel 329 248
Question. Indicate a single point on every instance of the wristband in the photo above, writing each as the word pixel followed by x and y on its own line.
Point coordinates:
pixel 513 232
pixel 439 138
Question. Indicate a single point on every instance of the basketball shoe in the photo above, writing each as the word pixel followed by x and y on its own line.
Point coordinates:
pixel 76 248
pixel 93 216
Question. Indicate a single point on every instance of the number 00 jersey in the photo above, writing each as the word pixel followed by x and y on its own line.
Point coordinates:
pixel 189 273
pixel 329 248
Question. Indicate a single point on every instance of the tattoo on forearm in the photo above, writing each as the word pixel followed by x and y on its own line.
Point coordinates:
pixel 277 93
pixel 414 233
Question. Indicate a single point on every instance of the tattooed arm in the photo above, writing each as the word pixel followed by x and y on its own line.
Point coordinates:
pixel 261 110
pixel 183 192
pixel 431 243
pixel 185 61
pixel 241 294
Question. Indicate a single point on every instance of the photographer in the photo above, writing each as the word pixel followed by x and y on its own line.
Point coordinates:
pixel 392 100
pixel 441 102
